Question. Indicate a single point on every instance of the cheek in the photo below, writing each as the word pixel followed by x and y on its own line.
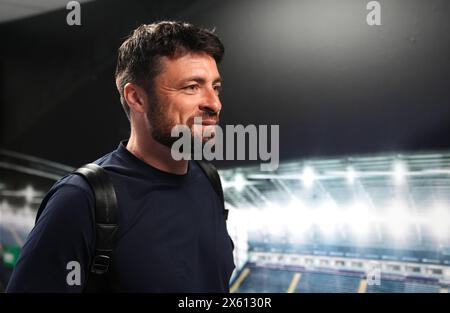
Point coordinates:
pixel 182 109
pixel 187 112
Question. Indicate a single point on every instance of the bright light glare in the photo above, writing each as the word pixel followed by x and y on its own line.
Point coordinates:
pixel 351 175
pixel 399 172
pixel 398 220
pixel 298 217
pixel 274 218
pixel 440 222
pixel 239 182
pixel 327 217
pixel 308 176
pixel 358 218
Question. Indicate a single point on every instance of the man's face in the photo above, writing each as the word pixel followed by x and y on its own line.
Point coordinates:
pixel 187 87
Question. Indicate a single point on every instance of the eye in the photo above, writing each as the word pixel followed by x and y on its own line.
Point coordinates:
pixel 191 88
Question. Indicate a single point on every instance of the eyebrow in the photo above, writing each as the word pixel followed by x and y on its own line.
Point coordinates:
pixel 201 80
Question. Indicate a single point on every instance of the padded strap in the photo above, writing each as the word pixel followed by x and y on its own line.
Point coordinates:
pixel 106 223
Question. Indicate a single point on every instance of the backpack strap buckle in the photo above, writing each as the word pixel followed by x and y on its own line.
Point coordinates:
pixel 100 264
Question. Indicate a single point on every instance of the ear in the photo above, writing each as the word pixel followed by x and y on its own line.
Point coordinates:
pixel 136 97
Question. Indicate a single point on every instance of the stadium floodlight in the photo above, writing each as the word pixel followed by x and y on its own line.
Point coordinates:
pixel 399 172
pixel 308 176
pixel 351 175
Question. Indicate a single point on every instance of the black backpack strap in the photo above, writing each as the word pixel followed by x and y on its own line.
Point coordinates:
pixel 211 172
pixel 106 223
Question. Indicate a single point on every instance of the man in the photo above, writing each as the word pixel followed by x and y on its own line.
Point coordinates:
pixel 172 234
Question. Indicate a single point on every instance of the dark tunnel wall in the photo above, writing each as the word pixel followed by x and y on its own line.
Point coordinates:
pixel 335 85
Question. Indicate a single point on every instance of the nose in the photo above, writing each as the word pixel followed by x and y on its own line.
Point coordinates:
pixel 211 103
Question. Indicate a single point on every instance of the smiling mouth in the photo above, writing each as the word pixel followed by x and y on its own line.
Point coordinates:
pixel 209 122
pixel 205 122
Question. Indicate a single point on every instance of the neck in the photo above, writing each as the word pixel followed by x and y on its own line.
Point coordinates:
pixel 155 154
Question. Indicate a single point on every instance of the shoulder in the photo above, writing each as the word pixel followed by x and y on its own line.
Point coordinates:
pixel 70 199
pixel 72 194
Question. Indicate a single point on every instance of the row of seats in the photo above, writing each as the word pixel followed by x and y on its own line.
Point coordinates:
pixel 400 286
pixel 329 283
pixel 261 279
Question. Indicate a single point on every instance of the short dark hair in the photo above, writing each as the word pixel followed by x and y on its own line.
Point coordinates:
pixel 138 56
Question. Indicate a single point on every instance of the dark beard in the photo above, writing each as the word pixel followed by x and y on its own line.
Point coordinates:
pixel 161 126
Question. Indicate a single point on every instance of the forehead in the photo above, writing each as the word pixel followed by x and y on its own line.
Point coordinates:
pixel 198 64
